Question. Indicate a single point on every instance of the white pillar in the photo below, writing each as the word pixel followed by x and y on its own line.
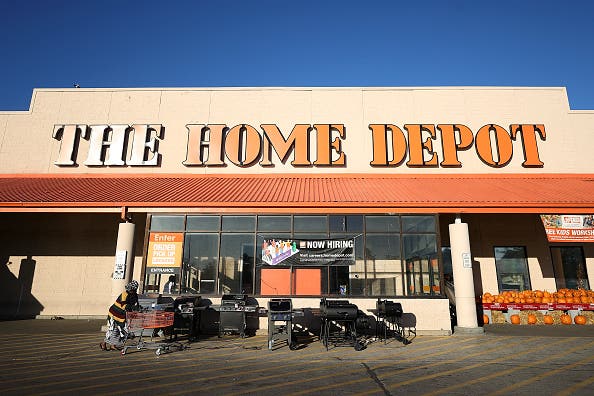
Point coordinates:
pixel 125 244
pixel 463 279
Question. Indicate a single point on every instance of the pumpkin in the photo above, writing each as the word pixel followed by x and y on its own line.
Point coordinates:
pixel 515 319
pixel 548 319
pixel 485 319
pixel 531 319
pixel 579 320
pixel 566 319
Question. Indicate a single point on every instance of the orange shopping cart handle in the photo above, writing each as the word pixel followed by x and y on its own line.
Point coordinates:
pixel 150 319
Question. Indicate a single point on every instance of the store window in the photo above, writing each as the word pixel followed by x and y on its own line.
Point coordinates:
pixel 200 263
pixel 446 257
pixel 274 223
pixel 341 224
pixel 203 223
pixel 239 223
pixel 511 264
pixel 310 224
pixel 390 255
pixel 422 268
pixel 167 223
pixel 418 224
pixel 383 265
pixel 569 265
pixel 236 263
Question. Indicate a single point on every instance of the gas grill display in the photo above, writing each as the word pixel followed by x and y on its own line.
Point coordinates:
pixel 233 311
pixel 233 302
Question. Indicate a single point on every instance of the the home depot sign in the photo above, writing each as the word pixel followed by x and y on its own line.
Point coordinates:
pixel 320 145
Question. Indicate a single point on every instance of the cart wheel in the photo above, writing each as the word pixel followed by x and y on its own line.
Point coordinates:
pixel 158 351
pixel 405 341
pixel 123 351
pixel 293 346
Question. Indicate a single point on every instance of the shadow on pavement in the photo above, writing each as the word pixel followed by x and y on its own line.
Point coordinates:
pixel 539 330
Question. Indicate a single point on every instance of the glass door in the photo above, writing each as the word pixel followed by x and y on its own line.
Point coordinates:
pixel 569 266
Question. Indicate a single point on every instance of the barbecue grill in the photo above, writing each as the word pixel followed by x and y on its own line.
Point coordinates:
pixel 280 322
pixel 232 312
pixel 153 301
pixel 389 314
pixel 187 316
pixel 339 323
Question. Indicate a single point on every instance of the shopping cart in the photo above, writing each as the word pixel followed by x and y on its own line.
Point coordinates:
pixel 138 322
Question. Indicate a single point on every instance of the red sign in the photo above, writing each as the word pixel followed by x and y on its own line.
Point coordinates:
pixel 538 307
pixel 569 228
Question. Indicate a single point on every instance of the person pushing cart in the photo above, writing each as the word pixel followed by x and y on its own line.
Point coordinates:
pixel 117 331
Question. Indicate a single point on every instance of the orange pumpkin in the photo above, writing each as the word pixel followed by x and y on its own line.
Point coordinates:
pixel 515 319
pixel 485 319
pixel 531 319
pixel 579 320
pixel 548 319
pixel 566 319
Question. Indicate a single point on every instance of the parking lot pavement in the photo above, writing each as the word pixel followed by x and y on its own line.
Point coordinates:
pixel 62 357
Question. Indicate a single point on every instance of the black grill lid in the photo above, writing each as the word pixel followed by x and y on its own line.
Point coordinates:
pixel 389 308
pixel 234 298
pixel 338 310
pixel 280 305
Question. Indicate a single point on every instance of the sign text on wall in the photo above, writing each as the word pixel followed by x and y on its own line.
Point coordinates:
pixel 319 145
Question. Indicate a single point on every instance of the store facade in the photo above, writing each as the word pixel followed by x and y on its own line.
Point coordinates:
pixel 357 193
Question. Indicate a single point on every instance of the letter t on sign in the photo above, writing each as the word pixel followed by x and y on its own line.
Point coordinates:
pixel 69 137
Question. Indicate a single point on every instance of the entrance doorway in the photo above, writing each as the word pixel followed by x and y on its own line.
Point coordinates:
pixel 569 267
pixel 284 281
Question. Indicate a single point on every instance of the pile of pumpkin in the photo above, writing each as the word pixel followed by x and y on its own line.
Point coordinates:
pixel 562 296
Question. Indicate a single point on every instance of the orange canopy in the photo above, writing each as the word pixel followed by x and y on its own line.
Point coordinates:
pixel 354 193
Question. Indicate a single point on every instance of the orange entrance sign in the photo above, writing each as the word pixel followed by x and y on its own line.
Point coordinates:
pixel 165 252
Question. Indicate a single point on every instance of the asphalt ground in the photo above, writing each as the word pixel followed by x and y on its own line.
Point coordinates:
pixel 45 357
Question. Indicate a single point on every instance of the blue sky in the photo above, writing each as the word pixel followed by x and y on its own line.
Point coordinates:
pixel 49 44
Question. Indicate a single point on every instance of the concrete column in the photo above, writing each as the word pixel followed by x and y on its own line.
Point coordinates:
pixel 125 243
pixel 463 279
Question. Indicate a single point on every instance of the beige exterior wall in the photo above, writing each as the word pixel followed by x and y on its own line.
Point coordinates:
pixel 30 133
pixel 487 231
pixel 60 264
pixel 76 280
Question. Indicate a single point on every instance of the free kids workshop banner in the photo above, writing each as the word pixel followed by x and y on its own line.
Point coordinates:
pixel 569 228
pixel 308 252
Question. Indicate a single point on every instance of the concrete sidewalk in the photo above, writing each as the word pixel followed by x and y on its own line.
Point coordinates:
pixel 79 326
pixel 540 330
pixel 48 326
pixel 62 357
